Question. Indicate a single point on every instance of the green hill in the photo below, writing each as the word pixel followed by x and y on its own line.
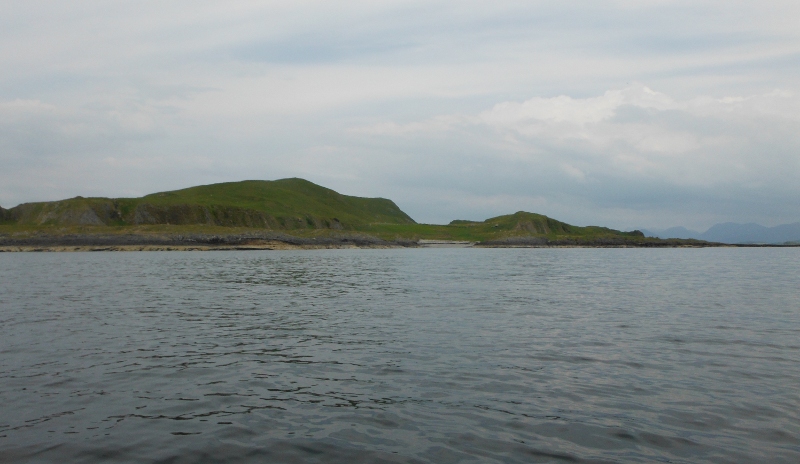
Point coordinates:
pixel 281 204
pixel 520 227
pixel 523 223
pixel 294 209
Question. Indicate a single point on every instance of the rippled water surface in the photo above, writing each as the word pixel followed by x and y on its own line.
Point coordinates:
pixel 409 355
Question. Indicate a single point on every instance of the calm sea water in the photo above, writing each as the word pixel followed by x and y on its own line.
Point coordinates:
pixel 410 355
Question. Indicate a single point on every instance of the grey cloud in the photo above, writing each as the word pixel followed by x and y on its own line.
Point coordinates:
pixel 392 98
pixel 734 162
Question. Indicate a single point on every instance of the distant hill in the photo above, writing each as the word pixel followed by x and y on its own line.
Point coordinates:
pixel 531 228
pixel 730 232
pixel 280 204
pixel 293 210
pixel 524 223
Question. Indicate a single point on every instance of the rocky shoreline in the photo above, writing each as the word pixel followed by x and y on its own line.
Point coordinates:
pixel 193 242
pixel 282 241
pixel 602 242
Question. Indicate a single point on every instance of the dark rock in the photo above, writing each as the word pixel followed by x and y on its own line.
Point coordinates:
pixel 101 240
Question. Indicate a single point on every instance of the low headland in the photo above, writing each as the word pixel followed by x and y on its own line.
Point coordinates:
pixel 281 214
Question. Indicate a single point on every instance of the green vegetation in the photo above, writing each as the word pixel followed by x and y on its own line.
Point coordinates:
pixel 292 206
pixel 281 204
pixel 520 225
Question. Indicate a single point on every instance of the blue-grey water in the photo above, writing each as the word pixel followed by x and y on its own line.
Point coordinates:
pixel 407 355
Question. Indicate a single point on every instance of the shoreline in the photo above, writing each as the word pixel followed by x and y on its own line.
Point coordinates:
pixel 281 246
pixel 282 241
pixel 124 248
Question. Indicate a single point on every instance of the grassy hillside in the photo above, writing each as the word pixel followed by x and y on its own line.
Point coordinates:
pixel 280 204
pixel 305 209
pixel 520 225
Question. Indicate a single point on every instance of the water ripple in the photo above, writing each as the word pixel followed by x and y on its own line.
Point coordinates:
pixel 436 355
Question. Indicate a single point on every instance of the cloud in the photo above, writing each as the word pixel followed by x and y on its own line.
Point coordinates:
pixel 632 148
pixel 453 109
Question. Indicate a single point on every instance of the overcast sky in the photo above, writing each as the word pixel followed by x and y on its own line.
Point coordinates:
pixel 618 113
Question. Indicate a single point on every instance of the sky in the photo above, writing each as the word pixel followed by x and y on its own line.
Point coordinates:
pixel 626 114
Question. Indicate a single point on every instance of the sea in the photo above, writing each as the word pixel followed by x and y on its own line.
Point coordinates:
pixel 441 355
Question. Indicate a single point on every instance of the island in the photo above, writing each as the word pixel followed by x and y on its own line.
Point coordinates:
pixel 281 214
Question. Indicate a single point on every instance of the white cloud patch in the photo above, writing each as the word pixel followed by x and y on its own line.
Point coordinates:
pixel 453 109
pixel 635 130
pixel 564 109
pixel 631 147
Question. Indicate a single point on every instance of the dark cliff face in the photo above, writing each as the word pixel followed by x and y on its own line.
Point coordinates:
pixel 226 216
pixel 196 214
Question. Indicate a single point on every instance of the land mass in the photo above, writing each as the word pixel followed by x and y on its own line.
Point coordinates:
pixel 730 232
pixel 286 213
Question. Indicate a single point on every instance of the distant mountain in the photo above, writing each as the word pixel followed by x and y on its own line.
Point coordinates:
pixel 731 232
pixel 672 232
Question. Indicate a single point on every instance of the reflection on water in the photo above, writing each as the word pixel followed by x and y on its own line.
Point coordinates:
pixel 435 355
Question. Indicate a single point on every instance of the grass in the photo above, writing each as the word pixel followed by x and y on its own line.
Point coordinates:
pixel 280 204
pixel 294 206
pixel 388 232
pixel 285 197
pixel 517 225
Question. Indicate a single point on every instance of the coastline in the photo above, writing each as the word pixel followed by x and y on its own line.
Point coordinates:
pixel 254 247
pixel 282 241
pixel 86 244
pixel 194 242
pixel 284 246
